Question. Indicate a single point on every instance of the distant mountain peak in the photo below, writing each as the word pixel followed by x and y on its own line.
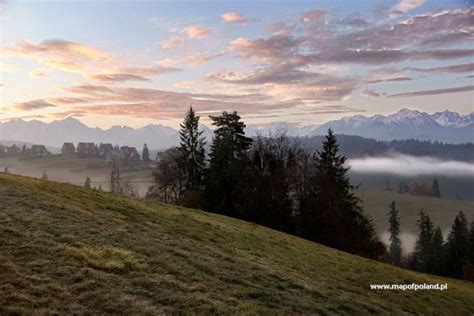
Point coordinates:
pixel 69 121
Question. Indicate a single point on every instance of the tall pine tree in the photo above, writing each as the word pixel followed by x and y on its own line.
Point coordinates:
pixel 145 153
pixel 422 255
pixel 437 251
pixel 227 163
pixel 471 243
pixel 395 242
pixel 331 214
pixel 192 152
pixel 457 246
pixel 436 192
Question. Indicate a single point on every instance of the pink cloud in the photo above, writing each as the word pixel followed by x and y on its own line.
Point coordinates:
pixel 234 17
pixel 405 6
pixel 197 31
pixel 172 43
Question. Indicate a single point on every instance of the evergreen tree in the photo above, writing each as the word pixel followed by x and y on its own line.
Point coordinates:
pixel 395 242
pixel 468 269
pixel 44 176
pixel 87 183
pixel 191 149
pixel 457 246
pixel 471 242
pixel 435 189
pixel 331 214
pixel 6 170
pixel 145 153
pixel 227 163
pixel 422 254
pixel 437 250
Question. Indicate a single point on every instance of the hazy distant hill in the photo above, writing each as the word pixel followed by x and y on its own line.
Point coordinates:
pixel 444 126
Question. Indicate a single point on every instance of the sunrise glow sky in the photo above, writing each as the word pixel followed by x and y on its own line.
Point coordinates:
pixel 135 63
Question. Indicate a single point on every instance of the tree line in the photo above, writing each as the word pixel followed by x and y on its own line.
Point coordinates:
pixel 272 181
pixel 453 257
pixel 357 146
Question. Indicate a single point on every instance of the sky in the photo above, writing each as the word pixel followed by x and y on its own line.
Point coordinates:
pixel 305 62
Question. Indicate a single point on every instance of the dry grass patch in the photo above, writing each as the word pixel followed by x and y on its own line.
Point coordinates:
pixel 107 258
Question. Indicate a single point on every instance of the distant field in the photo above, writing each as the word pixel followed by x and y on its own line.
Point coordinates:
pixel 75 170
pixel 441 211
pixel 70 250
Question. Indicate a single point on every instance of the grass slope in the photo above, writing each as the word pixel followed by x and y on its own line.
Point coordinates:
pixel 66 249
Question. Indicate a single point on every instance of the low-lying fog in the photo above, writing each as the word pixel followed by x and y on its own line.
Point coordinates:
pixel 410 166
pixel 408 240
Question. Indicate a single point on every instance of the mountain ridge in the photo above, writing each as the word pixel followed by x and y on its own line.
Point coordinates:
pixel 445 126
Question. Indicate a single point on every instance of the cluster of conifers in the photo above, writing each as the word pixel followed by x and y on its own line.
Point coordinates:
pixel 453 257
pixel 271 181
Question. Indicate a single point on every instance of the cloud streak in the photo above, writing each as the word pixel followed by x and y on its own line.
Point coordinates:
pixel 116 78
pixel 434 91
pixel 33 105
pixel 461 68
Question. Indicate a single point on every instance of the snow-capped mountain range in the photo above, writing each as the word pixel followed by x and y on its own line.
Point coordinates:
pixel 443 126
pixel 446 126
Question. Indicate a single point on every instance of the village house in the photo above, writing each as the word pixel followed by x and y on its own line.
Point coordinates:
pixel 87 149
pixel 38 151
pixel 130 153
pixel 105 150
pixel 68 149
pixel 108 152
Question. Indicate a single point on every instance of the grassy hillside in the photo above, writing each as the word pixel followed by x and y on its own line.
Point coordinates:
pixel 74 170
pixel 67 249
